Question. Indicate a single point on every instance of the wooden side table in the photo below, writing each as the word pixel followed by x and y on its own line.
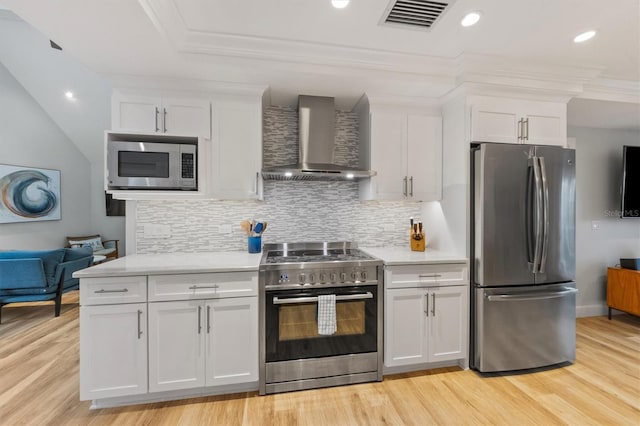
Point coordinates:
pixel 623 290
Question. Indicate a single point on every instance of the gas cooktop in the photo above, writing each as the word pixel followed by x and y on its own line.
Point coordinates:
pixel 316 255
pixel 329 263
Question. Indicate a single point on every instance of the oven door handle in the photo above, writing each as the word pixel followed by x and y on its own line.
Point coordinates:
pixel 312 299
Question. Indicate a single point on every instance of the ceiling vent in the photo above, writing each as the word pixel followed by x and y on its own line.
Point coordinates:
pixel 415 14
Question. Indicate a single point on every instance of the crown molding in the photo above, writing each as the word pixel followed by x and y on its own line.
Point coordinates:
pixel 204 88
pixel 435 77
pixel 612 90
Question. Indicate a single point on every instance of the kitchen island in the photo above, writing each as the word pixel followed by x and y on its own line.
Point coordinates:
pixel 178 325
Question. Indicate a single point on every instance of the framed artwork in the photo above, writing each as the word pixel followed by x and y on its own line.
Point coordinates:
pixel 28 194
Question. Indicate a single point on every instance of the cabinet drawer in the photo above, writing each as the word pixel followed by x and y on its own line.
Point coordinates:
pixel 112 290
pixel 407 276
pixel 202 286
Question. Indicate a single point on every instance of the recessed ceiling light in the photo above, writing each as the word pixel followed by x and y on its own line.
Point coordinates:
pixel 69 95
pixel 470 19
pixel 584 36
pixel 339 4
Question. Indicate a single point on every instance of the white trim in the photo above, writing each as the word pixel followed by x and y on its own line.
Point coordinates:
pixel 591 311
pixel 172 395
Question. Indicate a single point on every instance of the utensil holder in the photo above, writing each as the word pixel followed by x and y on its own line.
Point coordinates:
pixel 418 244
pixel 254 244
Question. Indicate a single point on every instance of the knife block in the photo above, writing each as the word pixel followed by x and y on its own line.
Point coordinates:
pixel 417 245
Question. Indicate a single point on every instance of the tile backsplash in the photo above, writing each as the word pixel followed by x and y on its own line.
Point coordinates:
pixel 294 210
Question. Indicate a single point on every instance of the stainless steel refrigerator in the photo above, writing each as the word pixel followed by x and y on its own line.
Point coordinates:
pixel 523 250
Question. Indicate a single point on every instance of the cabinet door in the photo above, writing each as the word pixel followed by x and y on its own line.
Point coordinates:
pixel 448 323
pixel 176 345
pixel 493 122
pixel 186 117
pixel 424 157
pixel 405 331
pixel 113 350
pixel 388 156
pixel 232 341
pixel 237 150
pixel 546 124
pixel 135 113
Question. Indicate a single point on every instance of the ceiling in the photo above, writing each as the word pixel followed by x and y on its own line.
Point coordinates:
pixel 298 46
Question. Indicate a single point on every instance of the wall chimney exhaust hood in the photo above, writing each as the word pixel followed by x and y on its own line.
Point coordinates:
pixel 316 135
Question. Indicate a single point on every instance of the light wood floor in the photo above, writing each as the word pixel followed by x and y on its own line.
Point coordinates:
pixel 39 385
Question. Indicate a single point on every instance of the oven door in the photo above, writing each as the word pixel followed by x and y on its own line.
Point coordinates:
pixel 292 323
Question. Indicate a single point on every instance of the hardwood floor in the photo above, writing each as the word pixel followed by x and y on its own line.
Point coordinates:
pixel 39 385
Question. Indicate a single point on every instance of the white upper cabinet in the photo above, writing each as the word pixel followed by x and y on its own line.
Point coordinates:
pixel 182 116
pixel 406 153
pixel 518 121
pixel 236 158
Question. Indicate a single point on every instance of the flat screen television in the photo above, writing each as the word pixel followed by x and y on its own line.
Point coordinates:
pixel 631 181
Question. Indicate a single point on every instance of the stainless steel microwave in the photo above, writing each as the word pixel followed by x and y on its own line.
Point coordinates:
pixel 150 165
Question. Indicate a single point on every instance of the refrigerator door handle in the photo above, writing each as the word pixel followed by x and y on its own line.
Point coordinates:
pixel 529 212
pixel 530 296
pixel 538 216
pixel 545 216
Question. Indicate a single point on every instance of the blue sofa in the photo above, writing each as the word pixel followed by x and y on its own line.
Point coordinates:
pixel 31 276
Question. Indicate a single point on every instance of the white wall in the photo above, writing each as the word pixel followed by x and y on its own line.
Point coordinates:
pixel 598 173
pixel 28 137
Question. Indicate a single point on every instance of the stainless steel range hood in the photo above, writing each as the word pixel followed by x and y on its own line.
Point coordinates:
pixel 316 128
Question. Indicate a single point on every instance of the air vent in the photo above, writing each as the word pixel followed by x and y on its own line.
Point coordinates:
pixel 416 14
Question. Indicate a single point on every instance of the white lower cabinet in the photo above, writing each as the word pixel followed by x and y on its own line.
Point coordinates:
pixel 425 323
pixel 197 343
pixel 113 350
pixel 232 341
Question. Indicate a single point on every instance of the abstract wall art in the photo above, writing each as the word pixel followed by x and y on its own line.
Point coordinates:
pixel 28 194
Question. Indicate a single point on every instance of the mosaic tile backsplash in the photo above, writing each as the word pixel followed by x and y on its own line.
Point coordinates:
pixel 294 210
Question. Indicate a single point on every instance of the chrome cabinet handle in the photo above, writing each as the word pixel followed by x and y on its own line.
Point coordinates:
pixel 429 275
pixel 520 130
pixel 208 319
pixel 199 318
pixel 197 287
pixel 102 290
pixel 278 301
pixel 139 323
pixel 426 295
pixel 404 191
pixel 164 119
pixel 157 112
pixel 433 304
pixel 526 126
pixel 411 186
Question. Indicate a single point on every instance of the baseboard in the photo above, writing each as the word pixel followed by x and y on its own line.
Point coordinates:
pixel 591 311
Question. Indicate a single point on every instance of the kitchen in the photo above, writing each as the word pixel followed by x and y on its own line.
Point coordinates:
pixel 445 222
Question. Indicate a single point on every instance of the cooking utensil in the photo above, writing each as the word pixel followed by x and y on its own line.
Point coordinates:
pixel 258 228
pixel 264 228
pixel 245 226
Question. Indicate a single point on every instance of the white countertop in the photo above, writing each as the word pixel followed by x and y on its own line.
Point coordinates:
pixel 174 263
pixel 189 263
pixel 404 256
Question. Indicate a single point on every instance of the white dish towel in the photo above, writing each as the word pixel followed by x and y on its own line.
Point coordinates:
pixel 327 314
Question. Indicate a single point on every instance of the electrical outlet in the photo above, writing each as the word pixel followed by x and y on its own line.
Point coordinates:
pixel 595 225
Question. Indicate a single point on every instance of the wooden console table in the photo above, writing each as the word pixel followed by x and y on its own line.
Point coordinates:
pixel 623 290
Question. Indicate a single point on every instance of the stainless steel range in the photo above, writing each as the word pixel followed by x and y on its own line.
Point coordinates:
pixel 294 355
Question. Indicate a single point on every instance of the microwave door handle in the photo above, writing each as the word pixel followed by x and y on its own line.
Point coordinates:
pixel 314 299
